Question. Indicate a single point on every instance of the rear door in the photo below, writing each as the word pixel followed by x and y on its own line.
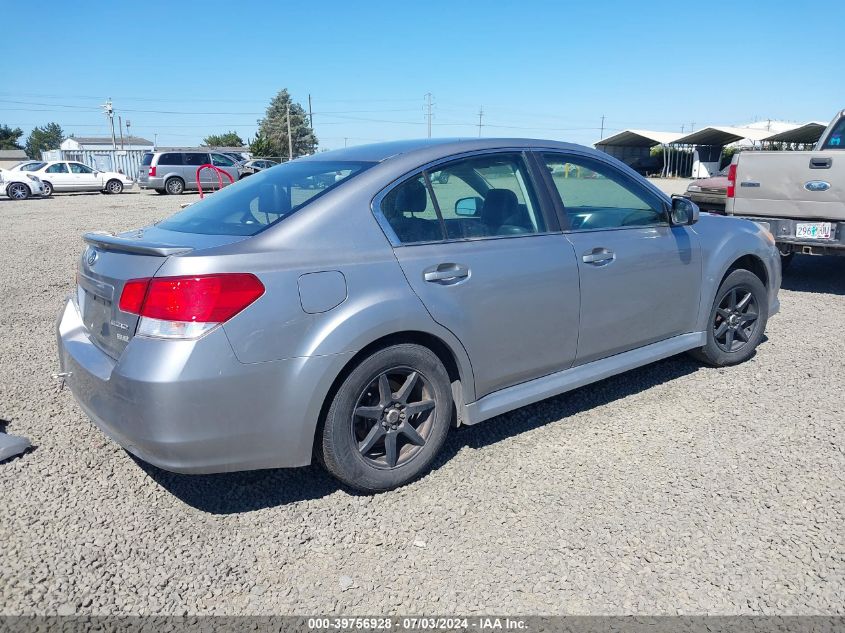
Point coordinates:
pixel 59 176
pixel 476 247
pixel 640 278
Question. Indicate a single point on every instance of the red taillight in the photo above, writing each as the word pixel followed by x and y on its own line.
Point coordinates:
pixel 732 180
pixel 152 171
pixel 194 299
pixel 132 297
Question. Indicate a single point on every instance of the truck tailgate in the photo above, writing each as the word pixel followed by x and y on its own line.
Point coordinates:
pixel 790 185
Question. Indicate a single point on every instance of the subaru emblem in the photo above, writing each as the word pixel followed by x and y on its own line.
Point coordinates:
pixel 92 257
pixel 817 185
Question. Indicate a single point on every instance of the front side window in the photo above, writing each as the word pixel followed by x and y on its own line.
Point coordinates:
pixel 263 199
pixel 218 160
pixel 836 138
pixel 79 168
pixel 596 196
pixel 58 168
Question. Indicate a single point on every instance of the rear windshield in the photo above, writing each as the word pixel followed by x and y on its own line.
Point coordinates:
pixel 147 160
pixel 262 200
pixel 32 166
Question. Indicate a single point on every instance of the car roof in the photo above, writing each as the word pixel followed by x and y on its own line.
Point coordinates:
pixel 378 152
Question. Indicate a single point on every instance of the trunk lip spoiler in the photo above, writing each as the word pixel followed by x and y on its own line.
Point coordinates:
pixel 108 241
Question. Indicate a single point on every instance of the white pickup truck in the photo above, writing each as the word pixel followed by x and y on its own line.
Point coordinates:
pixel 798 196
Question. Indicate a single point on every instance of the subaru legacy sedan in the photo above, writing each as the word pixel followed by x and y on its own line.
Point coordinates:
pixel 430 284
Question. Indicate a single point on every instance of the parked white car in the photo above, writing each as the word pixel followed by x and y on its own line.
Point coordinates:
pixel 66 175
pixel 19 185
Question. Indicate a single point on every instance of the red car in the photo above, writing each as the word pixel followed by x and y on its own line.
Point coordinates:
pixel 711 193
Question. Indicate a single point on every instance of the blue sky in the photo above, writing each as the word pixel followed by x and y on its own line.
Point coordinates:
pixel 539 69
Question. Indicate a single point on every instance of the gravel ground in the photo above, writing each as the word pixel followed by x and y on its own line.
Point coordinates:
pixel 671 489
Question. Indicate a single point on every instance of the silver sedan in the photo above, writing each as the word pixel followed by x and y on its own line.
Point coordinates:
pixel 429 284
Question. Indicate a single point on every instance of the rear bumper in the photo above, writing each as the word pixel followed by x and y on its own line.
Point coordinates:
pixel 784 231
pixel 191 406
pixel 151 183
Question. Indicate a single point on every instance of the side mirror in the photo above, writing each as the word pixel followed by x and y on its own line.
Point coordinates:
pixel 468 207
pixel 684 211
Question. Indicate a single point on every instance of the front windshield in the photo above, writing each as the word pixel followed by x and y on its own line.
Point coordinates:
pixel 263 199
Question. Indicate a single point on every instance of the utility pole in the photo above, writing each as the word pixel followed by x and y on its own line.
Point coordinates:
pixel 290 137
pixel 128 135
pixel 310 114
pixel 155 140
pixel 345 138
pixel 428 105
pixel 602 128
pixel 109 110
pixel 480 114
pixel 120 127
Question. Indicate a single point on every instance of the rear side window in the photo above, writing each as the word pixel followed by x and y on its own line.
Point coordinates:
pixel 174 158
pixel 196 159
pixel 836 138
pixel 264 199
pixel 410 212
pixel 483 196
pixel 147 160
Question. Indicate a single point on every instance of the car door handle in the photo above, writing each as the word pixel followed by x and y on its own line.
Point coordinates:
pixel 598 257
pixel 821 163
pixel 446 274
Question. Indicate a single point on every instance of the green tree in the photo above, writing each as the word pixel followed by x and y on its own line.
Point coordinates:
pixel 44 138
pixel 274 127
pixel 229 139
pixel 261 147
pixel 9 138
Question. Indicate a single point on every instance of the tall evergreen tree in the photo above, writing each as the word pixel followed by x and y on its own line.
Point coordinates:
pixel 9 138
pixel 44 138
pixel 274 127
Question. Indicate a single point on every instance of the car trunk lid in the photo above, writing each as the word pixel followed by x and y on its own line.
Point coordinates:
pixel 110 261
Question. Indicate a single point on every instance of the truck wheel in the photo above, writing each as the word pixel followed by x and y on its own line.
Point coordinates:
pixel 737 320
pixel 174 186
pixel 388 419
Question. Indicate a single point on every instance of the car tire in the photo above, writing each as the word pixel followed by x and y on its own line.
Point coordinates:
pixel 174 186
pixel 47 189
pixel 114 186
pixel 18 191
pixel 737 320
pixel 388 445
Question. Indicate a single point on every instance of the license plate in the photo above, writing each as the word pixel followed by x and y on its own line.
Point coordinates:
pixel 813 230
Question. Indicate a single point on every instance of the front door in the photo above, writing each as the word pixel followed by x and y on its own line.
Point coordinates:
pixel 640 277
pixel 85 178
pixel 472 242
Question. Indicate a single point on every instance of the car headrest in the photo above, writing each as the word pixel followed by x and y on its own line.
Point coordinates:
pixel 498 205
pixel 411 197
pixel 273 199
